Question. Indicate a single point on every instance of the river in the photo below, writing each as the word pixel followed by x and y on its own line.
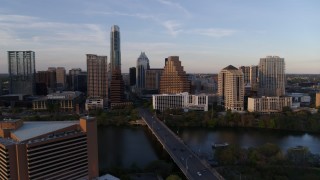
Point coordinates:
pixel 124 147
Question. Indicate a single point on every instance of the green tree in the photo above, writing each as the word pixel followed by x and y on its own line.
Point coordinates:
pixel 173 177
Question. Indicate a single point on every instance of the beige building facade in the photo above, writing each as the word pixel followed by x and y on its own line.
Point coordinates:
pixel 61 77
pixel 268 105
pixel 49 150
pixel 97 76
pixel 318 99
pixel 231 88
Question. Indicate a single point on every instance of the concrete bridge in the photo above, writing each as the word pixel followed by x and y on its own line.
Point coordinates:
pixel 189 163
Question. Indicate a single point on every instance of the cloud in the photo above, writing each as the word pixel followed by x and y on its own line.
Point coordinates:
pixel 213 32
pixel 175 5
pixel 37 30
pixel 53 42
pixel 173 27
pixel 16 18
pixel 117 13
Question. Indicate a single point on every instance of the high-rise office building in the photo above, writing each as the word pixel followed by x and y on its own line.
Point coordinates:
pixel 142 66
pixel 77 80
pixel 61 78
pixel 116 88
pixel 250 76
pixel 272 78
pixel 49 150
pixel 22 72
pixel 132 75
pixel 174 79
pixel 45 82
pixel 231 88
pixel 254 77
pixel 97 76
pixel 115 52
pixel 153 77
pixel 116 85
pixel 246 74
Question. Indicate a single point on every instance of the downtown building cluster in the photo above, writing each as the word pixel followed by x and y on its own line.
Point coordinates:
pixel 255 88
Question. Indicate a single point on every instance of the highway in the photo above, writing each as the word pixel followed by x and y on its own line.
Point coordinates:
pixel 189 163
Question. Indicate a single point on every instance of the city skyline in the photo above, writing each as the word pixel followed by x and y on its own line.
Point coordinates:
pixel 207 36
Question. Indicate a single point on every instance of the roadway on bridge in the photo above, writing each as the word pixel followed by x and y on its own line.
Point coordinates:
pixel 190 164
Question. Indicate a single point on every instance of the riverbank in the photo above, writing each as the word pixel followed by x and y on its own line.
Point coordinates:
pixel 267 162
pixel 302 121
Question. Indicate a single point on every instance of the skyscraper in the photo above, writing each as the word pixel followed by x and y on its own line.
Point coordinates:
pixel 250 76
pixel 22 72
pixel 142 66
pixel 153 77
pixel 116 88
pixel 132 74
pixel 271 76
pixel 231 88
pixel 97 76
pixel 61 77
pixel 77 80
pixel 174 79
pixel 115 52
pixel 116 84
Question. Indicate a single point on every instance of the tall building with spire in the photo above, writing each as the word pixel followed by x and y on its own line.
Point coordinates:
pixel 117 97
pixel 174 79
pixel 142 67
pixel 271 76
pixel 231 88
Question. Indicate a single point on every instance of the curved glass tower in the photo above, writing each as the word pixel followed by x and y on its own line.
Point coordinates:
pixel 115 53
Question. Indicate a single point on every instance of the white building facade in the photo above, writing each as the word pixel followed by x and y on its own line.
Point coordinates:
pixel 94 103
pixel 268 105
pixel 300 99
pixel 184 100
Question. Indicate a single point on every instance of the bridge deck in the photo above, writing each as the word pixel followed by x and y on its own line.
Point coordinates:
pixel 189 163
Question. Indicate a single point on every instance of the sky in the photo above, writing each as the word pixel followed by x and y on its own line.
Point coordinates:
pixel 207 35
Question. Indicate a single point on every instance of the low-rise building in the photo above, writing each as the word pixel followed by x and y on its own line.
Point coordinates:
pixel 184 100
pixel 67 101
pixel 93 103
pixel 49 149
pixel 268 105
pixel 300 99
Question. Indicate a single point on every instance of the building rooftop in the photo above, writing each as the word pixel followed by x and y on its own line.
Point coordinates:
pixel 7 141
pixel 37 128
pixel 230 67
pixel 108 177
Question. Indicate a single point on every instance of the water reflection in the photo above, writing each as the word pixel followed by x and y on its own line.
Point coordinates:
pixel 200 140
pixel 124 147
